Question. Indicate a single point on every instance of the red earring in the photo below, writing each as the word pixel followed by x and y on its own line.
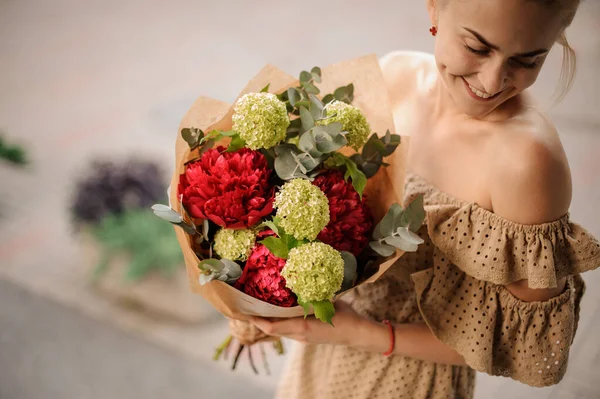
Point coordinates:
pixel 433 30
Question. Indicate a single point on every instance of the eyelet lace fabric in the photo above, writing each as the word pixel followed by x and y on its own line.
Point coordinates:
pixel 455 283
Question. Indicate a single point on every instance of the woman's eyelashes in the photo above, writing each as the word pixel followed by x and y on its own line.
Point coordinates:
pixel 519 63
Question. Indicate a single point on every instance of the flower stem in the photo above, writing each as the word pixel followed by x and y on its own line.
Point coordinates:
pixel 252 360
pixel 222 347
pixel 278 345
pixel 237 357
pixel 265 361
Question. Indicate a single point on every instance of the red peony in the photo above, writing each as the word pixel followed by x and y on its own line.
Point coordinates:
pixel 261 277
pixel 229 188
pixel 350 221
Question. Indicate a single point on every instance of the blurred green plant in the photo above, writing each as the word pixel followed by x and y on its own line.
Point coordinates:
pixel 150 244
pixel 13 154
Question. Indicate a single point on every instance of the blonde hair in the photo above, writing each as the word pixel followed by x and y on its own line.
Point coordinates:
pixel 568 69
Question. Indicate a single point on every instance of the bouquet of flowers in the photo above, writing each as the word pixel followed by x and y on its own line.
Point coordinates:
pixel 283 201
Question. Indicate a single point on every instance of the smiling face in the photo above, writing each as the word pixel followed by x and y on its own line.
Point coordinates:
pixel 489 51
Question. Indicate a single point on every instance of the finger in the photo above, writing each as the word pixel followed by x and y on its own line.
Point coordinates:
pixel 295 325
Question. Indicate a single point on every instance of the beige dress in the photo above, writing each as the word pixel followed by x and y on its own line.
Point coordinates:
pixel 455 284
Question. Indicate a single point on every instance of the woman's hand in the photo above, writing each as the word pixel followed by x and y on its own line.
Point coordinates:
pixel 347 327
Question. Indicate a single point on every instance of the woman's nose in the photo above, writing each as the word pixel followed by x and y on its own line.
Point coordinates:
pixel 494 76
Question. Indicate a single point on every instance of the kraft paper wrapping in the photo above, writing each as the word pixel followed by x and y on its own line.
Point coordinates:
pixel 370 95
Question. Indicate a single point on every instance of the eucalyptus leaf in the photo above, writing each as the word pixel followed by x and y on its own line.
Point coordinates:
pixel 305 77
pixel 286 166
pixel 370 169
pixel 316 74
pixel 409 236
pixel 166 213
pixel 345 93
pixel 307 141
pixel 232 270
pixel 211 265
pixel 206 278
pixel 308 161
pixel 328 98
pixel 316 107
pixel 391 142
pixel 414 215
pixel 382 248
pixel 303 103
pixel 333 129
pixel 389 223
pixel 324 311
pixel 401 244
pixel 192 136
pixel 308 122
pixel 293 95
pixel 310 88
pixel 205 229
pixel 327 144
pixel 350 270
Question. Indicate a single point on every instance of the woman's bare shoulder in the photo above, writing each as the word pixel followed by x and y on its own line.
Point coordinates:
pixel 530 171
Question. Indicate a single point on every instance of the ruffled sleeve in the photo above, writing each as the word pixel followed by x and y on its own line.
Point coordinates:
pixel 463 298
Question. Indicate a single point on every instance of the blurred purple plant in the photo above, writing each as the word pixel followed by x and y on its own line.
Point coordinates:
pixel 112 188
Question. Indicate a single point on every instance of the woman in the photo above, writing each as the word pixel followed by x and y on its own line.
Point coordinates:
pixel 496 285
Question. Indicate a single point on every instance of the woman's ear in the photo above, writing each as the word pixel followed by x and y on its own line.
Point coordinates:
pixel 432 8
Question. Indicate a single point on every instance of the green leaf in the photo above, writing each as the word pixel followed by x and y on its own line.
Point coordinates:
pixel 307 141
pixel 370 169
pixel 192 136
pixel 305 306
pixel 326 144
pixel 345 93
pixel 359 180
pixel 401 244
pixel 391 142
pixel 303 103
pixel 310 88
pixel 350 270
pixel 328 98
pixel 237 143
pixel 265 89
pixel 333 129
pixel 277 246
pixel 166 213
pixel 389 223
pixel 382 249
pixel 294 95
pixel 308 122
pixel 309 161
pixel 373 148
pixel 211 265
pixel 316 107
pixel 271 225
pixel 305 77
pixel 286 164
pixel 316 74
pixel 324 310
pixel 414 215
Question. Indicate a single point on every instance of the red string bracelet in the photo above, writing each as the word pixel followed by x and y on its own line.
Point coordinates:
pixel 392 338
